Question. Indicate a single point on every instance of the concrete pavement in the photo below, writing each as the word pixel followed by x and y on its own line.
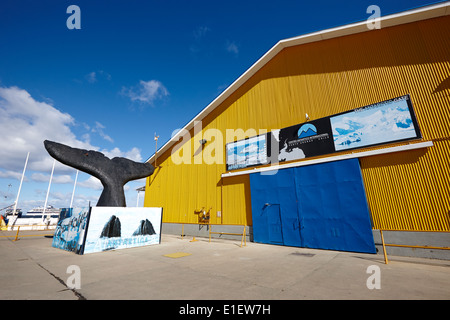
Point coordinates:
pixel 32 269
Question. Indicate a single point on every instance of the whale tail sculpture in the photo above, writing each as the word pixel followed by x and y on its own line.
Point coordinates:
pixel 113 173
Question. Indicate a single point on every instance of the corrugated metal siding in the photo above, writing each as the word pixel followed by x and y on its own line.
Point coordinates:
pixel 321 79
pixel 409 190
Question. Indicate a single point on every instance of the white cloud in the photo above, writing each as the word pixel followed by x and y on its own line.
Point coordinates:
pixel 11 174
pixel 133 154
pixel 91 183
pixel 95 76
pixel 146 92
pixel 232 47
pixel 91 77
pixel 41 177
pixel 201 32
pixel 99 129
pixel 24 125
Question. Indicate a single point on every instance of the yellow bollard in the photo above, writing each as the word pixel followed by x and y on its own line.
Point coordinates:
pixel 193 240
pixel 17 234
pixel 386 261
pixel 243 238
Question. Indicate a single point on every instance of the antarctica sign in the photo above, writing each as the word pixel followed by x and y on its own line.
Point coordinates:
pixel 98 229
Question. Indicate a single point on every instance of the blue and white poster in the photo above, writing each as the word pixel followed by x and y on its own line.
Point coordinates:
pixel 380 123
pixel 113 228
pixel 246 153
pixel 384 122
pixel 70 231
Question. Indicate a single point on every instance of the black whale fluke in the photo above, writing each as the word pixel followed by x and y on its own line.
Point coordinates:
pixel 113 173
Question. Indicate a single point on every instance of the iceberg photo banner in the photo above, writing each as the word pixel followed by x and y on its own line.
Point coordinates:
pixel 70 231
pixel 376 124
pixel 112 228
pixel 96 229
pixel 385 122
pixel 246 153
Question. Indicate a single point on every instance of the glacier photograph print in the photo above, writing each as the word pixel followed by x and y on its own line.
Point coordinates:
pixel 380 123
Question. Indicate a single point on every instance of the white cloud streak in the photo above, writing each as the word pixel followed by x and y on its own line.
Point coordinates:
pixel 232 47
pixel 146 91
pixel 24 125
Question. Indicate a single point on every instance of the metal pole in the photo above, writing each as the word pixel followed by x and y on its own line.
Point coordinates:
pixel 137 201
pixel 156 147
pixel 20 185
pixel 73 192
pixel 17 234
pixel 48 190
pixel 384 248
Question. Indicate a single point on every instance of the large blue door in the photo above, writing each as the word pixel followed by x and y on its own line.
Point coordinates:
pixel 320 206
pixel 274 208
pixel 275 226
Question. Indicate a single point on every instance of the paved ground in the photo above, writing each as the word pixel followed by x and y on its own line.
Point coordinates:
pixel 220 270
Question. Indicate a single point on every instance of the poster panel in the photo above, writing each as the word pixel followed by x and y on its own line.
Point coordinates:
pixel 380 123
pixel 304 140
pixel 247 153
pixel 385 122
pixel 118 228
pixel 71 228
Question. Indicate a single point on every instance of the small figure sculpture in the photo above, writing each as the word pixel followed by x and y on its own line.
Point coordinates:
pixel 113 173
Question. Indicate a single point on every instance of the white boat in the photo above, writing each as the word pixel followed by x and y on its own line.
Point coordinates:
pixel 35 219
pixel 38 212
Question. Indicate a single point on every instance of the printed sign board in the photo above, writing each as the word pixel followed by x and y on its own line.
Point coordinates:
pixel 380 123
pixel 71 229
pixel 247 153
pixel 388 121
pixel 118 228
pixel 304 140
pixel 97 229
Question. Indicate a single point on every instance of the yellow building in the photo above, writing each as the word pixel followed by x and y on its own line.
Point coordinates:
pixel 320 76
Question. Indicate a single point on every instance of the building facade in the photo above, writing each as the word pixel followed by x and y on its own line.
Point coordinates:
pixel 404 183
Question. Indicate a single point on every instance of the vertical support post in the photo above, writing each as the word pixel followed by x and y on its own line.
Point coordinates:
pixel 17 234
pixel 182 230
pixel 245 235
pixel 48 190
pixel 20 185
pixel 156 149
pixel 384 248
pixel 209 233
pixel 243 238
pixel 137 201
pixel 73 191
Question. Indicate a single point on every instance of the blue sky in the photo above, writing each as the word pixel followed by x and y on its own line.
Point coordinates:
pixel 133 69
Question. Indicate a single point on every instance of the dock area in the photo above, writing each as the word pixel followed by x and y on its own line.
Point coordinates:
pixel 183 269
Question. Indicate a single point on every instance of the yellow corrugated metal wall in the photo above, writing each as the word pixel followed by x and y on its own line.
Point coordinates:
pixel 407 190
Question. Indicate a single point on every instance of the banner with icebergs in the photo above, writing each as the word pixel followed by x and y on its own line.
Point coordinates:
pixel 118 228
pixel 71 229
pixel 96 229
pixel 380 123
pixel 385 122
pixel 246 153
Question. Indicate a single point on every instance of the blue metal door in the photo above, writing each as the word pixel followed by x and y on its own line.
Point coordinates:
pixel 320 206
pixel 275 224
